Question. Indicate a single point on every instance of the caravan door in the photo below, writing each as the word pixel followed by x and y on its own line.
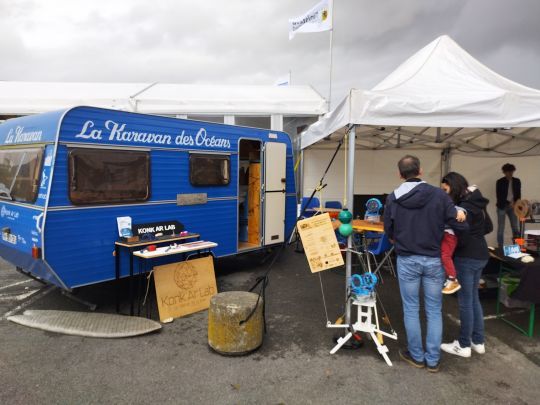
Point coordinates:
pixel 275 162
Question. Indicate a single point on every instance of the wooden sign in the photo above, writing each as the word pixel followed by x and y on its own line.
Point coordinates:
pixel 320 243
pixel 186 287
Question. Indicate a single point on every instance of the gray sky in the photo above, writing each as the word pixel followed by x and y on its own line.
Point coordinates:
pixel 246 41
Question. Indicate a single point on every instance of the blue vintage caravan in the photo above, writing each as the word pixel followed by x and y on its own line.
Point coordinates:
pixel 66 176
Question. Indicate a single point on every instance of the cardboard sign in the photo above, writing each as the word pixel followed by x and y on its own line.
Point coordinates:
pixel 184 287
pixel 320 243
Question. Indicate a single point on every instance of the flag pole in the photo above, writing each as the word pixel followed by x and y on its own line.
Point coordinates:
pixel 331 48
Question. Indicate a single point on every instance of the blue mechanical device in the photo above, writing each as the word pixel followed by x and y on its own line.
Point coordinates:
pixel 363 284
pixel 373 210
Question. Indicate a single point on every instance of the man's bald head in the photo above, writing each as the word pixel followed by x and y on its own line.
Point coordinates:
pixel 409 167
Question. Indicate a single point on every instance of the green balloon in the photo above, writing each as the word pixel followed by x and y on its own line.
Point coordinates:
pixel 345 216
pixel 345 229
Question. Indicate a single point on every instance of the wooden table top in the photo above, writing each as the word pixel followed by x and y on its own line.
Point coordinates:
pixel 160 239
pixel 172 250
pixel 361 225
pixel 323 209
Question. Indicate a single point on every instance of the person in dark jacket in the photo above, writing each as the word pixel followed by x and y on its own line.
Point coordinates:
pixel 470 258
pixel 414 219
pixel 508 190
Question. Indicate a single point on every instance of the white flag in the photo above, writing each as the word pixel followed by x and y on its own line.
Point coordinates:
pixel 317 19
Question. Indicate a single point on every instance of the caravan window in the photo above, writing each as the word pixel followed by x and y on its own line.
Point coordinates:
pixel 209 169
pixel 98 176
pixel 19 173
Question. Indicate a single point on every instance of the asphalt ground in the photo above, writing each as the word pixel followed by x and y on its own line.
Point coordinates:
pixel 293 366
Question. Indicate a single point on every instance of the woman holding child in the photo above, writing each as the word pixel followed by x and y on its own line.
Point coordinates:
pixel 470 258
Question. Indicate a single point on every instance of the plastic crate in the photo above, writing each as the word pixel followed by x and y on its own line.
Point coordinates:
pixel 507 287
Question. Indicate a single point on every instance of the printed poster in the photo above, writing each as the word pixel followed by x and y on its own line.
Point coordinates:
pixel 320 243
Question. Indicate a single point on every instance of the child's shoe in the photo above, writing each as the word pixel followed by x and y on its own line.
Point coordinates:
pixel 450 286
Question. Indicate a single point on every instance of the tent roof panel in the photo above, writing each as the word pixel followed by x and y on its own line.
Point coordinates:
pixel 439 86
pixel 19 98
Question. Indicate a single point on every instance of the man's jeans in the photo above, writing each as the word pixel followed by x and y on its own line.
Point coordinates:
pixel 470 310
pixel 501 214
pixel 414 271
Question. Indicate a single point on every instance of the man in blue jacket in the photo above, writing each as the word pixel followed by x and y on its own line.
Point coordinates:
pixel 414 218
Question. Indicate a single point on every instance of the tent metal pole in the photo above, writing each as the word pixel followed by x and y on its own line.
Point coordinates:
pixel 445 161
pixel 350 203
pixel 300 190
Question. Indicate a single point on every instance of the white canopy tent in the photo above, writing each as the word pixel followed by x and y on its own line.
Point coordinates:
pixel 440 98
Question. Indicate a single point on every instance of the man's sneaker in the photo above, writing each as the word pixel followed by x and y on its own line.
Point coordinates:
pixel 480 348
pixel 405 355
pixel 455 348
pixel 450 286
pixel 433 369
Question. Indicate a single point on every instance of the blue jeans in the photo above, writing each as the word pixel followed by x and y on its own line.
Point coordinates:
pixel 470 309
pixel 501 218
pixel 414 271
